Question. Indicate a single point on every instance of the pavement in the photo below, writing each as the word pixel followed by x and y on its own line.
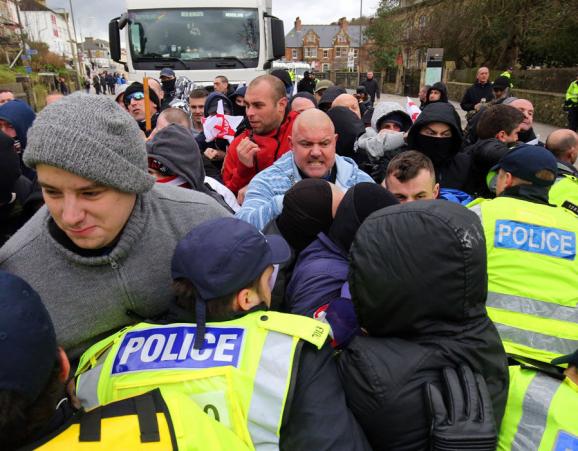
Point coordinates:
pixel 542 130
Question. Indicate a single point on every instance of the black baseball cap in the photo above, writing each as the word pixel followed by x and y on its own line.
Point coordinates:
pixel 525 161
pixel 27 340
pixel 222 256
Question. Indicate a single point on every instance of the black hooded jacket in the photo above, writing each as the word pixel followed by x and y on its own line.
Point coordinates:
pixel 175 147
pixel 439 86
pixel 485 154
pixel 418 281
pixel 348 128
pixel 452 166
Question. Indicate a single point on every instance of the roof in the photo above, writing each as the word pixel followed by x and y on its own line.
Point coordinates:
pixel 33 5
pixel 326 34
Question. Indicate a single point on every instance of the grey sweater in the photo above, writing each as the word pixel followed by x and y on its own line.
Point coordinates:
pixel 88 298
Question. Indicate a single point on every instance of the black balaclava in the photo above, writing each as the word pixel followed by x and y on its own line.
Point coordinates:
pixel 307 211
pixel 439 150
pixel 9 168
pixel 358 203
pixel 169 85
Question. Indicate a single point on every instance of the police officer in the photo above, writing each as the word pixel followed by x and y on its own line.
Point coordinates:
pixel 563 144
pixel 532 264
pixel 571 105
pixel 268 377
pixel 35 416
pixel 541 408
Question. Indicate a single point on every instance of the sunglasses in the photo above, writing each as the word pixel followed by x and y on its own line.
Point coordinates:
pixel 134 95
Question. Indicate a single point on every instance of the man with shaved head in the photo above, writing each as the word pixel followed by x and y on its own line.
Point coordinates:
pixel 563 144
pixel 479 93
pixel 348 101
pixel 313 155
pixel 266 138
pixel 526 133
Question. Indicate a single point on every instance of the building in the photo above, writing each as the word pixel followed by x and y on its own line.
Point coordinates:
pixel 54 28
pixel 9 31
pixel 338 47
pixel 96 53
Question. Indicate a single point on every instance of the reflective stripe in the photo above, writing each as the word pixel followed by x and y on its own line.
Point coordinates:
pixel 535 340
pixel 535 408
pixel 532 307
pixel 87 388
pixel 270 386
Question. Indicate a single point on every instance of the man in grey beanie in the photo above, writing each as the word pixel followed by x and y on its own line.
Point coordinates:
pixel 99 252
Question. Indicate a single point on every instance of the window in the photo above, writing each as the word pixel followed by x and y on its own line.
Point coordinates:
pixel 340 52
pixel 325 53
pixel 310 52
pixel 294 54
pixel 355 53
pixel 325 67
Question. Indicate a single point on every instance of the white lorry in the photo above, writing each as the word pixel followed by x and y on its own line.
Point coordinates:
pixel 200 40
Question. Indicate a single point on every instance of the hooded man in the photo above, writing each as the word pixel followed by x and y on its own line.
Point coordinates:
pixel 330 94
pixel 438 92
pixel 437 133
pixel 16 117
pixel 348 127
pixel 421 311
pixel 175 159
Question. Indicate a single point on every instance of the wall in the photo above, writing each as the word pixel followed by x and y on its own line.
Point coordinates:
pixel 547 105
pixel 547 80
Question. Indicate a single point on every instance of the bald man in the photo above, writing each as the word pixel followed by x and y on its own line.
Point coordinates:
pixel 348 101
pixel 563 144
pixel 480 92
pixel 526 133
pixel 313 155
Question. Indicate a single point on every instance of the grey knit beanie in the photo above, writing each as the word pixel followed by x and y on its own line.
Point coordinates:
pixel 92 137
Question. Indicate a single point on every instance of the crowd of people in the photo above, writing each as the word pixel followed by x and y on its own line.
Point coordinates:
pixel 286 266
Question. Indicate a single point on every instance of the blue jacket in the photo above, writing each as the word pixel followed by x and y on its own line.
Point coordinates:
pixel 264 198
pixel 318 276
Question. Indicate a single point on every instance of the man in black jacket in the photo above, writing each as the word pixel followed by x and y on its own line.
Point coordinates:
pixel 437 133
pixel 420 316
pixel 371 87
pixel 479 93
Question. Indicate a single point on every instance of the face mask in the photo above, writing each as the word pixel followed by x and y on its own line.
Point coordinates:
pixel 169 85
pixel 273 277
pixel 438 150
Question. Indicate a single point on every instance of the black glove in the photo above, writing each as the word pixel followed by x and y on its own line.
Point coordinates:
pixel 463 420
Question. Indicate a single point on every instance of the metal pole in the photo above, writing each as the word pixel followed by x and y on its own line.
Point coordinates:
pixel 75 36
pixel 360 42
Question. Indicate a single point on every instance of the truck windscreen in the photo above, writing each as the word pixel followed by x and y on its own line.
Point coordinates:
pixel 194 38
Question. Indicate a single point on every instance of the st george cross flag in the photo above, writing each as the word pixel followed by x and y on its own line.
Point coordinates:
pixel 221 125
pixel 412 109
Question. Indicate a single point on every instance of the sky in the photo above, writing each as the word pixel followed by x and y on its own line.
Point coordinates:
pixel 92 17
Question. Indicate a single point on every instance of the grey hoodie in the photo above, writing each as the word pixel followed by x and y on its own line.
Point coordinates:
pixel 375 143
pixel 175 147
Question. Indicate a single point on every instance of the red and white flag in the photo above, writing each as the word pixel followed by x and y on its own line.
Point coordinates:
pixel 221 125
pixel 412 109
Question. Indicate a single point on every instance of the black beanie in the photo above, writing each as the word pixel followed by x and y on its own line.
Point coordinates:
pixel 501 83
pixel 358 203
pixel 138 87
pixel 283 75
pixel 307 210
pixel 10 169
pixel 305 95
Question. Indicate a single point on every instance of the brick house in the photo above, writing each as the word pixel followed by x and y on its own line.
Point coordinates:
pixel 327 47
